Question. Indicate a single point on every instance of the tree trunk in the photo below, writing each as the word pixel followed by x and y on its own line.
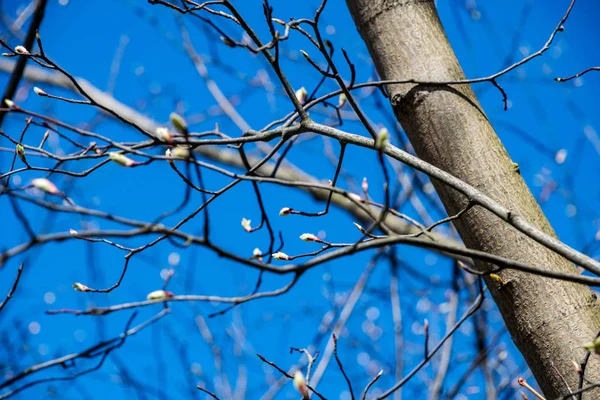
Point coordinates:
pixel 549 320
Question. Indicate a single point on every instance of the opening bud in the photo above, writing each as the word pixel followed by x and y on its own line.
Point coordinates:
pixel 280 256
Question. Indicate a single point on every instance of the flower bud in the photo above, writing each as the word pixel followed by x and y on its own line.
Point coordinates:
pixel 45 185
pixel 21 50
pixel 164 134
pixel 228 41
pixel 21 152
pixel 593 346
pixel 169 155
pixel 279 21
pixel 9 103
pixel 159 295
pixel 301 95
pixel 121 159
pixel 383 138
pixel 280 256
pixel 73 232
pixel 360 228
pixel 80 287
pixel 246 224
pixel 300 385
pixel 365 185
pixel 309 237
pixel 285 211
pixel 257 253
pixel 342 100
pixel 39 91
pixel 178 123
pixel 181 153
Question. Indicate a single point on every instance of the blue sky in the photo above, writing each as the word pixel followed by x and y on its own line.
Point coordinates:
pixel 546 120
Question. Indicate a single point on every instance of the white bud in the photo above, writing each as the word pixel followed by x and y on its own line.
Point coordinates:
pixel 9 103
pixel 164 134
pixel 39 91
pixel 80 287
pixel 309 237
pixel 300 385
pixel 301 95
pixel 159 295
pixel 280 256
pixel 246 224
pixel 45 185
pixel 21 50
pixel 285 211
pixel 383 138
pixel 181 153
pixel 342 100
pixel 121 159
pixel 73 232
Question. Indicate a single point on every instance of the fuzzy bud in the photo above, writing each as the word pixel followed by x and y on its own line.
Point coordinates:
pixel 169 155
pixel 365 185
pixel 73 232
pixel 300 385
pixel 301 95
pixel 21 152
pixel 360 228
pixel 178 123
pixel 309 237
pixel 181 153
pixel 21 50
pixel 279 21
pixel 39 91
pixel 80 287
pixel 164 134
pixel 246 224
pixel 285 211
pixel 593 346
pixel 45 185
pixel 159 295
pixel 121 159
pixel 383 138
pixel 9 103
pixel 342 100
pixel 280 256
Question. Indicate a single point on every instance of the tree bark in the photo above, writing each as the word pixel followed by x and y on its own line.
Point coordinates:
pixel 549 320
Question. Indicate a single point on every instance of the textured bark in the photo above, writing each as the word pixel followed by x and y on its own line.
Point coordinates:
pixel 549 320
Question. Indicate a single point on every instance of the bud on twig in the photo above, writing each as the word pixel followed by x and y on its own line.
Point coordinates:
pixel 285 211
pixel 159 295
pixel 280 256
pixel 80 287
pixel 228 41
pixel 9 103
pixel 121 159
pixel 365 185
pixel 21 50
pixel 342 100
pixel 300 385
pixel 309 237
pixel 178 122
pixel 21 152
pixel 180 153
pixel 593 346
pixel 279 21
pixel 164 134
pixel 45 185
pixel 73 232
pixel 39 91
pixel 301 95
pixel 246 224
pixel 383 138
